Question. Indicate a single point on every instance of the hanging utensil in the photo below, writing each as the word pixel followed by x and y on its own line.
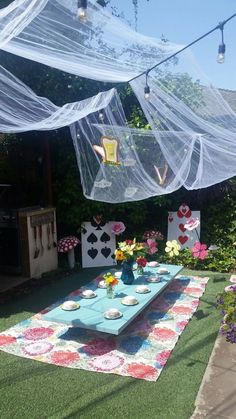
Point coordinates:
pixel 48 236
pixel 41 239
pixel 36 251
pixel 53 234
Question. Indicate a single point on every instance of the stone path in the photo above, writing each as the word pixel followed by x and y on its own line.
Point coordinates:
pixel 216 398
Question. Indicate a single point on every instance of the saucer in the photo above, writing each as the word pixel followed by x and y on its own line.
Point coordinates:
pixel 163 271
pixel 129 300
pixel 153 264
pixel 70 305
pixel 112 314
pixel 142 289
pixel 88 294
pixel 230 288
pixel 153 279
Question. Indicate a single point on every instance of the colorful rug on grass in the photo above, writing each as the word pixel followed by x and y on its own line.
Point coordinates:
pixel 140 351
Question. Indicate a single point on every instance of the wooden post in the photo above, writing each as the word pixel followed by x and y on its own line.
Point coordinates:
pixel 47 170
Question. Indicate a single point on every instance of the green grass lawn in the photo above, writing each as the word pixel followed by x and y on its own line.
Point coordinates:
pixel 30 389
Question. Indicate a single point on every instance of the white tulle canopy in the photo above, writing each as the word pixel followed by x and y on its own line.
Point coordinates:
pixel 192 137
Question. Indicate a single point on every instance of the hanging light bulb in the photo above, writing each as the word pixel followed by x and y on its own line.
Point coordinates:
pixel 82 10
pixel 101 116
pixel 221 54
pixel 147 92
pixel 147 89
pixel 221 49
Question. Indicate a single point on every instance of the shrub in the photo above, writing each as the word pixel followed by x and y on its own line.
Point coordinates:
pixel 226 303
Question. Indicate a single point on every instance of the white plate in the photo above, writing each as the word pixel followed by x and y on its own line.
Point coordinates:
pixel 129 303
pixel 70 308
pixel 153 279
pixel 112 317
pixel 142 291
pixel 162 272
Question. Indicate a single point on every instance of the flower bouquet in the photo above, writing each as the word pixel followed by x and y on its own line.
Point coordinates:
pixel 111 281
pixel 130 251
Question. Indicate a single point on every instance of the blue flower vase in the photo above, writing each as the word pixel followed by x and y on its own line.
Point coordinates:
pixel 127 275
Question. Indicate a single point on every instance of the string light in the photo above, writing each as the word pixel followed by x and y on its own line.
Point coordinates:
pixel 82 10
pixel 147 88
pixel 221 49
pixel 101 116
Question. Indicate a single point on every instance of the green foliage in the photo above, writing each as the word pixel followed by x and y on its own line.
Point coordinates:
pixel 221 260
pixel 220 221
pixel 226 303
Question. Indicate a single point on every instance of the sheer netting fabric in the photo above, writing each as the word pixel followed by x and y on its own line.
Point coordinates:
pixel 191 140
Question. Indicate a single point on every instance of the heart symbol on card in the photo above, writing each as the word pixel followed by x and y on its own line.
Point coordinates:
pixel 184 211
pixel 170 218
pixel 181 227
pixel 92 253
pixel 183 239
pixel 97 219
pixel 105 252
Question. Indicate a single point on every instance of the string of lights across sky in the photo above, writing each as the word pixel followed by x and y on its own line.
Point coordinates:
pixel 82 15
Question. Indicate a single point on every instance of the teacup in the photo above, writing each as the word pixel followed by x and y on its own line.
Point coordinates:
pixel 154 279
pixel 162 271
pixel 70 304
pixel 88 293
pixel 129 299
pixel 142 289
pixel 118 274
pixel 112 312
pixel 153 264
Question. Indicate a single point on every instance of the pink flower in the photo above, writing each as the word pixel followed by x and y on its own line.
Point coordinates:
pixel 162 357
pixel 163 333
pixel 199 251
pixel 192 224
pixel 37 348
pixel 106 362
pixel 142 371
pixel 152 246
pixel 7 340
pixel 64 357
pixel 99 346
pixel 152 234
pixel 117 227
pixel 38 333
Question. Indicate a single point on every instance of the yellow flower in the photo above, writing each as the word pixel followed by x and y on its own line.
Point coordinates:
pixel 172 248
pixel 110 279
pixel 119 255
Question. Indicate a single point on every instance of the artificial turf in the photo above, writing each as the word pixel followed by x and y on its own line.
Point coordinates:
pixel 31 389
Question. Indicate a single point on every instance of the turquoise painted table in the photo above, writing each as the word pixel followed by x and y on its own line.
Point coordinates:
pixel 90 315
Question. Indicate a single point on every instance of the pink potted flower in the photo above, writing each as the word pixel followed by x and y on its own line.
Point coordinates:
pixel 117 227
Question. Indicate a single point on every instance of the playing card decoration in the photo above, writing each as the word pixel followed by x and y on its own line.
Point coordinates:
pixel 98 243
pixel 176 229
pixel 108 151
